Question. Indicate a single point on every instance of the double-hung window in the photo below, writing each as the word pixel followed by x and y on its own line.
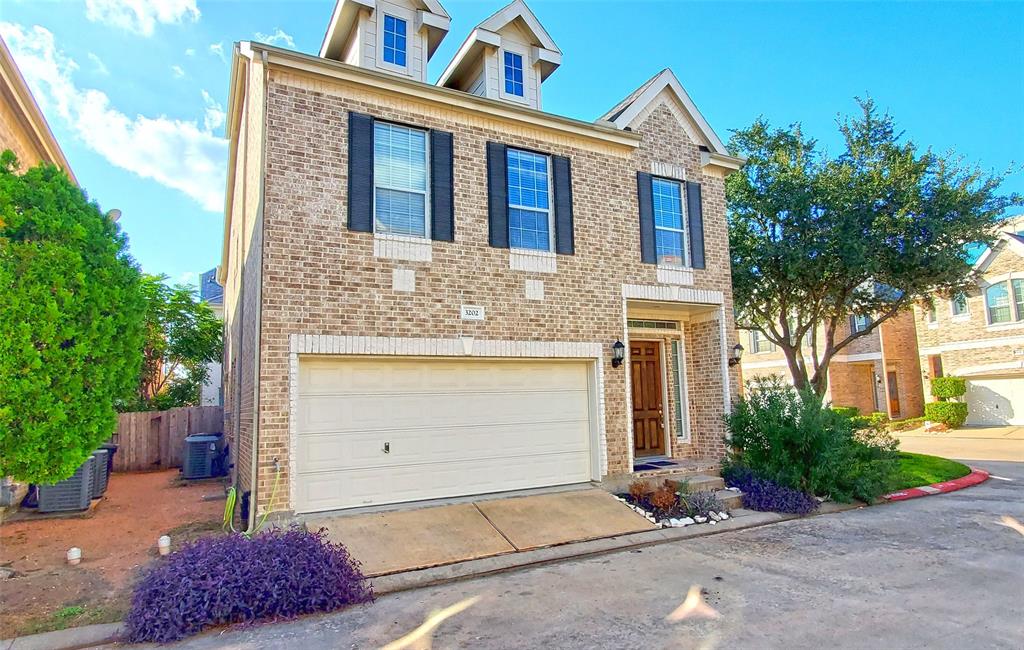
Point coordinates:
pixel 394 40
pixel 669 222
pixel 513 74
pixel 529 200
pixel 860 323
pixel 1005 301
pixel 759 343
pixel 400 180
pixel 958 305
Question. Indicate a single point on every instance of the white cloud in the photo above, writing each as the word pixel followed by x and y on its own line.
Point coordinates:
pixel 181 154
pixel 214 116
pixel 217 49
pixel 279 37
pixel 97 65
pixel 177 71
pixel 190 51
pixel 188 277
pixel 141 16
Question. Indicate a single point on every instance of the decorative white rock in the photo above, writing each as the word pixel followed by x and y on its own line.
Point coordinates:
pixel 700 519
pixel 687 521
pixel 712 522
pixel 723 514
pixel 714 516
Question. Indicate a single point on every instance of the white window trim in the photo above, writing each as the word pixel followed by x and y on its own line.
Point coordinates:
pixel 409 18
pixel 521 51
pixel 962 316
pixel 684 219
pixel 682 388
pixel 754 345
pixel 1015 318
pixel 550 209
pixel 427 234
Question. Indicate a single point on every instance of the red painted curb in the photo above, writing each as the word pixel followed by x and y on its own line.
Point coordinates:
pixel 975 477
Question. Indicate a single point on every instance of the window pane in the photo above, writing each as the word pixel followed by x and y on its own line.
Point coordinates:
pixel 669 246
pixel 959 304
pixel 1018 297
pixel 400 213
pixel 513 74
pixel 394 40
pixel 997 298
pixel 528 229
pixel 400 178
pixel 668 204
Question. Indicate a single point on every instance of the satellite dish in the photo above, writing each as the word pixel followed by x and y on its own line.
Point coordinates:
pixel 114 215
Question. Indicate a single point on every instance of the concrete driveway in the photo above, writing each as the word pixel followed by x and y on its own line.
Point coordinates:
pixel 403 540
pixel 972 443
pixel 938 572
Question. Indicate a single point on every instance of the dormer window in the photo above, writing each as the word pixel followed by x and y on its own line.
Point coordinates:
pixel 513 74
pixel 395 40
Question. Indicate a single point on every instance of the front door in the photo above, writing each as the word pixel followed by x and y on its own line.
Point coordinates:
pixel 648 415
pixel 894 394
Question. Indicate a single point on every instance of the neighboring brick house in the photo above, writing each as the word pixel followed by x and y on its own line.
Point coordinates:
pixel 426 285
pixel 878 372
pixel 210 292
pixel 23 129
pixel 980 335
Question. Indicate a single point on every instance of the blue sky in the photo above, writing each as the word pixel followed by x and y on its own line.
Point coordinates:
pixel 136 94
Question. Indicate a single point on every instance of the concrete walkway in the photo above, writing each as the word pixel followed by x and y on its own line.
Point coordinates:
pixel 972 443
pixel 935 573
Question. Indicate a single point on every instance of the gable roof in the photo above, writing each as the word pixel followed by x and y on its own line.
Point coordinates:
pixel 486 34
pixel 16 94
pixel 623 113
pixel 1007 240
pixel 346 12
pixel 210 290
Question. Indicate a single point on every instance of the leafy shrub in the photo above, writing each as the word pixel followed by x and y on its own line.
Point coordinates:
pixel 906 425
pixel 847 411
pixel 218 580
pixel 664 498
pixel 766 496
pixel 638 490
pixel 789 438
pixel 952 414
pixel 700 503
pixel 948 387
pixel 876 420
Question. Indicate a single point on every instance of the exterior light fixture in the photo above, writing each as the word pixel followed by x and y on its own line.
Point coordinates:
pixel 618 354
pixel 737 354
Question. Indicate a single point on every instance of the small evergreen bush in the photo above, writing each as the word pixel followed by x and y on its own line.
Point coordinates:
pixel 948 387
pixel 279 573
pixel 952 414
pixel 790 438
pixel 847 411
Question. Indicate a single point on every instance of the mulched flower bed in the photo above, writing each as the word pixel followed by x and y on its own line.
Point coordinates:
pixel 667 507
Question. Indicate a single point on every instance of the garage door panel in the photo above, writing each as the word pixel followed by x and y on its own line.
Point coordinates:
pixel 455 427
pixel 428 445
pixel 995 401
pixel 361 487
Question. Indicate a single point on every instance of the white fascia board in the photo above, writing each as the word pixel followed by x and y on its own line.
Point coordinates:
pixel 468 52
pixel 342 20
pixel 518 9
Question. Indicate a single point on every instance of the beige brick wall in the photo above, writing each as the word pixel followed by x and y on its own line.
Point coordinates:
pixel 320 278
pixel 14 137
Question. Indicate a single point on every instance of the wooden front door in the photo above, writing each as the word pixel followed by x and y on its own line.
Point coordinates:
pixel 894 394
pixel 648 414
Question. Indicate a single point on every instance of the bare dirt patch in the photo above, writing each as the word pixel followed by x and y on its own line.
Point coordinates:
pixel 117 539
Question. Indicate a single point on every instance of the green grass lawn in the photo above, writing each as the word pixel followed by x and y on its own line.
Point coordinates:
pixel 916 470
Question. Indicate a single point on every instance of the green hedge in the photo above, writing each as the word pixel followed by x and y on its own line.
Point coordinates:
pixel 876 419
pixel 847 411
pixel 947 387
pixel 952 414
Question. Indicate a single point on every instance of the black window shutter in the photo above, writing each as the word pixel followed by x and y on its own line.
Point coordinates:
pixel 645 198
pixel 561 172
pixel 497 195
pixel 442 204
pixel 696 218
pixel 360 172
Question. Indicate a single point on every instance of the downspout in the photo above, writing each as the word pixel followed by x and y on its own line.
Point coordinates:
pixel 253 500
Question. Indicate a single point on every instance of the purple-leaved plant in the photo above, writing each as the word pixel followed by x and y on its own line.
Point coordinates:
pixel 767 496
pixel 279 573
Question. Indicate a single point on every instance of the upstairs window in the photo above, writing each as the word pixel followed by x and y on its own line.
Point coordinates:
pixel 958 305
pixel 529 200
pixel 997 301
pixel 931 315
pixel 394 40
pixel 860 323
pixel 513 74
pixel 399 180
pixel 669 231
pixel 758 343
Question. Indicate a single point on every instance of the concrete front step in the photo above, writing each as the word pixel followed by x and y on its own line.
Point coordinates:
pixel 730 499
pixel 707 478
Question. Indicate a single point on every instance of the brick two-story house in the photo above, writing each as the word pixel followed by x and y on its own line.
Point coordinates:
pixel 429 287
pixel 878 372
pixel 980 335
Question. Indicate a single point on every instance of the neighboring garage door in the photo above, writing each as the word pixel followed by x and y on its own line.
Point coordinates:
pixel 995 400
pixel 451 428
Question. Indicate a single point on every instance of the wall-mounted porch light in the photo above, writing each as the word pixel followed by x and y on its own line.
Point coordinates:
pixel 737 354
pixel 618 354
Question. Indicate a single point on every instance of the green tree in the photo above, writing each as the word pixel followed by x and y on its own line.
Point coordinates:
pixel 183 335
pixel 815 240
pixel 71 315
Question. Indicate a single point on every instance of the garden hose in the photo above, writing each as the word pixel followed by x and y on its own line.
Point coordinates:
pixel 229 509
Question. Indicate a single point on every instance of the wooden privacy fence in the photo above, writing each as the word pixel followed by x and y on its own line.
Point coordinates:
pixel 156 439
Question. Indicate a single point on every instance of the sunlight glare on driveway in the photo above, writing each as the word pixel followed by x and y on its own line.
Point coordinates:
pixel 421 636
pixel 693 606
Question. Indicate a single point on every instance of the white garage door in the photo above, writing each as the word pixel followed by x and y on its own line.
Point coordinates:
pixel 995 401
pixel 376 431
